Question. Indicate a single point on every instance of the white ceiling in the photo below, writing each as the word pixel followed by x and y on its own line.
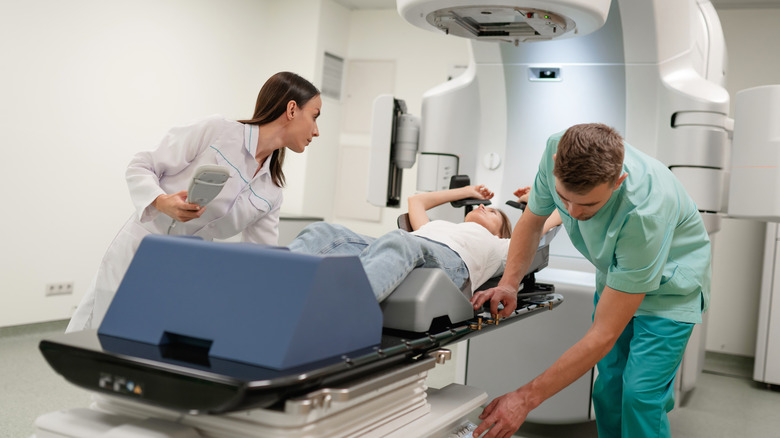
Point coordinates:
pixel 719 4
pixel 368 4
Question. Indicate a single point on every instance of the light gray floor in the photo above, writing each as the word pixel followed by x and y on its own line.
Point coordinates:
pixel 29 387
pixel 725 402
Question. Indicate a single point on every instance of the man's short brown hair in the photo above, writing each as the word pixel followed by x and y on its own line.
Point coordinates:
pixel 589 155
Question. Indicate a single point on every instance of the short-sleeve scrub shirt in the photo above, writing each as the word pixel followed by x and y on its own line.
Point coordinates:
pixel 648 238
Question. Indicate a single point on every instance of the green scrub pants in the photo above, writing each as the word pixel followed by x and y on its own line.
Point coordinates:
pixel 634 389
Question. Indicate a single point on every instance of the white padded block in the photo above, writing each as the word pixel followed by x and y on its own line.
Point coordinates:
pixel 754 191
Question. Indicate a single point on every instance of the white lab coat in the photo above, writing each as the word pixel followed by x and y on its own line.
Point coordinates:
pixel 247 204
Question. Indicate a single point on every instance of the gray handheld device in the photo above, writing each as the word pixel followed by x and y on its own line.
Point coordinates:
pixel 206 183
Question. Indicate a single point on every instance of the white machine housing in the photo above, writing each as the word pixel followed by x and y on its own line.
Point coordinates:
pixel 755 181
pixel 508 20
pixel 755 187
pixel 766 367
pixel 654 71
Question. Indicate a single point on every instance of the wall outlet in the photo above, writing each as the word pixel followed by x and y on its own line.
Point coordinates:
pixel 63 288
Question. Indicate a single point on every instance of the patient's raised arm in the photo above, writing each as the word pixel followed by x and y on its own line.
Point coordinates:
pixel 420 203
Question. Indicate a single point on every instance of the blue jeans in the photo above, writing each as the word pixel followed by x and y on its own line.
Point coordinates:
pixel 634 389
pixel 387 260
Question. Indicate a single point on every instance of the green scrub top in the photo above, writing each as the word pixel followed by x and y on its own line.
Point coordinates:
pixel 648 238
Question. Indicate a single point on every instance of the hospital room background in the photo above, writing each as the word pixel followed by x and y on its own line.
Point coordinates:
pixel 88 83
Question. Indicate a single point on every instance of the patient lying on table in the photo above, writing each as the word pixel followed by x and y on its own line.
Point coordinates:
pixel 475 249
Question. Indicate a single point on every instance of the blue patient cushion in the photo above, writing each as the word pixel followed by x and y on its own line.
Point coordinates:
pixel 260 305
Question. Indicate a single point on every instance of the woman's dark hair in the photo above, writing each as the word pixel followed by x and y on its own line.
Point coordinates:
pixel 272 101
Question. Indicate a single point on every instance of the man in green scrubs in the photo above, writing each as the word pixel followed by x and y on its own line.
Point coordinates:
pixel 630 217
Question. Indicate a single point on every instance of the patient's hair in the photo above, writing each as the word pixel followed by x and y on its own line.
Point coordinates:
pixel 589 155
pixel 506 226
pixel 272 101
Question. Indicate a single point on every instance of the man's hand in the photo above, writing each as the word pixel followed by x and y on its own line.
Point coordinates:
pixel 177 207
pixel 504 415
pixel 500 294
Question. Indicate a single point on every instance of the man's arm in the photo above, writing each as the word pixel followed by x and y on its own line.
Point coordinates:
pixel 508 412
pixel 522 247
pixel 420 203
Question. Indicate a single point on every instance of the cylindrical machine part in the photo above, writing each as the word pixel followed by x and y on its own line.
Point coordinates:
pixel 407 137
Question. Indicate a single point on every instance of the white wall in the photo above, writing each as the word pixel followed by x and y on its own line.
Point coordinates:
pixel 293 36
pixel 87 83
pixel 320 181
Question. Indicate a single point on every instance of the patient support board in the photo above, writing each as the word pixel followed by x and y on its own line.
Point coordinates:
pixel 193 330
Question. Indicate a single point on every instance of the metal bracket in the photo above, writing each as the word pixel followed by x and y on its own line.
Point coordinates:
pixel 441 356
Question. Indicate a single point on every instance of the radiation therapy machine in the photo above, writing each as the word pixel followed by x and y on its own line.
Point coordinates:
pixel 654 70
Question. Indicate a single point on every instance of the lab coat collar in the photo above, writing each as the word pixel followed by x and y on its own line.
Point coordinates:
pixel 250 138
pixel 250 143
pixel 266 166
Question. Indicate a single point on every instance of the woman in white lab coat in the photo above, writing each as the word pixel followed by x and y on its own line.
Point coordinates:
pixel 253 150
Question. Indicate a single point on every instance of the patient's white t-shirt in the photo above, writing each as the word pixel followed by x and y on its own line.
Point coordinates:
pixel 484 253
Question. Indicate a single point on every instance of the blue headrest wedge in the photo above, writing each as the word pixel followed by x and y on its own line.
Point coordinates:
pixel 249 303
